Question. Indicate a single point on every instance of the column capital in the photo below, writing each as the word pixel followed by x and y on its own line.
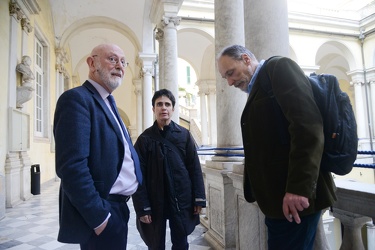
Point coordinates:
pixel 15 11
pixel 138 86
pixel 61 59
pixel 203 87
pixel 167 20
pixel 25 24
pixel 147 71
pixel 370 75
pixel 357 77
pixel 159 35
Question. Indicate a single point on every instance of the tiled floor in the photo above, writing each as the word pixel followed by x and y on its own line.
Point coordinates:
pixel 34 224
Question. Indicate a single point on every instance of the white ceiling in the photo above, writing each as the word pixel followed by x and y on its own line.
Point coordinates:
pixel 82 24
pixel 338 5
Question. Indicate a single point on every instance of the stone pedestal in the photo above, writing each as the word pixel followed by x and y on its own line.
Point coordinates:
pixel 220 211
pixel 251 232
pixel 25 176
pixel 2 196
pixel 12 179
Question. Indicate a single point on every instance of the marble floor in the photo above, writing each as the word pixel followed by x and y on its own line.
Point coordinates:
pixel 33 224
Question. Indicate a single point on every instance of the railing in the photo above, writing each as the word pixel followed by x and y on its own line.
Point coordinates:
pixel 228 153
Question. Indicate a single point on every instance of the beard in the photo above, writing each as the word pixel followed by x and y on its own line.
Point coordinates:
pixel 111 81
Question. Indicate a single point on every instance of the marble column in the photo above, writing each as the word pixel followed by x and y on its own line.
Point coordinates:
pixel 160 38
pixel 138 93
pixel 212 111
pixel 203 108
pixel 170 67
pixel 16 16
pixel 370 75
pixel 147 70
pixel 229 30
pixel 360 110
pixel 266 28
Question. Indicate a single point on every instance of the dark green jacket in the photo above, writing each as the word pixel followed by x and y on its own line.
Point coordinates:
pixel 273 168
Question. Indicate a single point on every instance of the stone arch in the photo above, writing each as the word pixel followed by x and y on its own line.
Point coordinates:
pixel 95 22
pixel 335 58
pixel 200 57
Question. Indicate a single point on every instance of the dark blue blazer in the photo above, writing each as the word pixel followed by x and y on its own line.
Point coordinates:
pixel 89 155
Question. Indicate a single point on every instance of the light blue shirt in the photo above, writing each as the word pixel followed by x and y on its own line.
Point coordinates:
pixel 251 83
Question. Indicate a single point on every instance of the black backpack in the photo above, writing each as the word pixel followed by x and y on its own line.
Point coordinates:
pixel 339 124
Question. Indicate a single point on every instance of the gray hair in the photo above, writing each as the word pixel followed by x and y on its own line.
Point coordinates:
pixel 236 52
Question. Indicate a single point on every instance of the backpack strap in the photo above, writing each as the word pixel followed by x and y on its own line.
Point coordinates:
pixel 265 83
pixel 173 147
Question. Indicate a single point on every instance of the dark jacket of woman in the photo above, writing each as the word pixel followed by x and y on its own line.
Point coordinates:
pixel 173 182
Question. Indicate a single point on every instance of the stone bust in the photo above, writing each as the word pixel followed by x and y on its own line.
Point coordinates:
pixel 24 69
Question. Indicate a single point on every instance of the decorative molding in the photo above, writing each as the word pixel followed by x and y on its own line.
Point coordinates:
pixel 26 26
pixel 159 35
pixel 167 20
pixel 32 6
pixel 147 71
pixel 61 55
pixel 15 11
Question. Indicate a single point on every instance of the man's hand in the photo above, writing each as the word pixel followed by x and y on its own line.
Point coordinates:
pixel 293 203
pixel 146 219
pixel 100 229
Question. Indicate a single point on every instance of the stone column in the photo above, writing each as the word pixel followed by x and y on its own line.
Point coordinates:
pixel 147 70
pixel 212 111
pixel 170 60
pixel 202 95
pixel 266 28
pixel 16 16
pixel 160 38
pixel 360 110
pixel 229 30
pixel 370 76
pixel 138 93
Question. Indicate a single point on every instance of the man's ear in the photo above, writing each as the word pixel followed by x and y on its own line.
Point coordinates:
pixel 246 59
pixel 90 63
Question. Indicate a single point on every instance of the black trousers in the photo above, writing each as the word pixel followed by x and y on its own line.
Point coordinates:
pixel 115 235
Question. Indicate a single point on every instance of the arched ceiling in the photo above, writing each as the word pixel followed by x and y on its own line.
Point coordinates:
pixel 81 25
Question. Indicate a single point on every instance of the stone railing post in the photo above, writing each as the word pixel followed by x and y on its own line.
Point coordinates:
pixel 352 238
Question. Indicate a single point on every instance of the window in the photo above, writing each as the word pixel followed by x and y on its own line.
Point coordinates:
pixel 41 126
pixel 188 74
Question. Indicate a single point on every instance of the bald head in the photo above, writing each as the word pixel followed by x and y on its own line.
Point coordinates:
pixel 107 66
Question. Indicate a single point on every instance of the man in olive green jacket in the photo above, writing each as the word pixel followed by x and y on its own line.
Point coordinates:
pixel 282 176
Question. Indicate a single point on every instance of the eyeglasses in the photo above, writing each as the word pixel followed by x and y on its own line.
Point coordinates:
pixel 115 60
